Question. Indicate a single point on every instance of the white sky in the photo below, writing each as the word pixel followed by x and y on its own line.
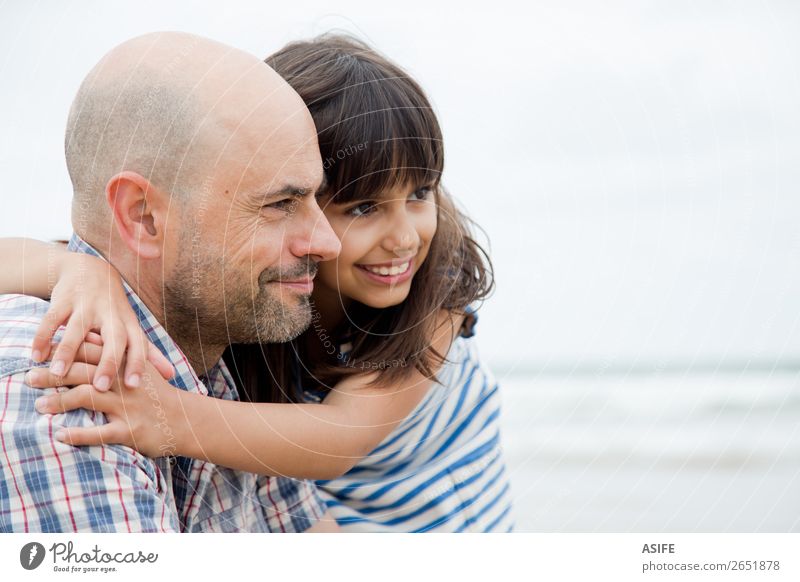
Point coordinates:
pixel 635 165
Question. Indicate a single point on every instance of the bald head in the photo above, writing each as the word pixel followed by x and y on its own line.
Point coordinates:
pixel 172 107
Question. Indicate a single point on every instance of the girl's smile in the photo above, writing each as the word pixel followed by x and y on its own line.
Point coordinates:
pixel 390 273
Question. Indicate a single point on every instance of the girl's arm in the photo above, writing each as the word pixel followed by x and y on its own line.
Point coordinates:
pixel 85 292
pixel 304 441
pixel 30 266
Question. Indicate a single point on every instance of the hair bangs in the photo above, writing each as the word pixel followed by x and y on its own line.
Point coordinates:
pixel 379 132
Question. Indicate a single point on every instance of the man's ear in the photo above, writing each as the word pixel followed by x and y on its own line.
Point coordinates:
pixel 134 206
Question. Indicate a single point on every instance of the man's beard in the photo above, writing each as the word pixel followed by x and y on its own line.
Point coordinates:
pixel 227 311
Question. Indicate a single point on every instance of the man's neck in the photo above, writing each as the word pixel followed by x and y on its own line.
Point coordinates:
pixel 202 356
pixel 140 278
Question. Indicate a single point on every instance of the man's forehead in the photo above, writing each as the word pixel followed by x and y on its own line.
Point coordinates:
pixel 270 159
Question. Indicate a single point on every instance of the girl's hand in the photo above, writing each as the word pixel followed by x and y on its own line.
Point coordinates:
pixel 89 296
pixel 140 419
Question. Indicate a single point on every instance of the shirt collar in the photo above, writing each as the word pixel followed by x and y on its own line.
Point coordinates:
pixel 185 377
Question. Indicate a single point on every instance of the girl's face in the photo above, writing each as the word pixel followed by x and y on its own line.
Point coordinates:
pixel 384 242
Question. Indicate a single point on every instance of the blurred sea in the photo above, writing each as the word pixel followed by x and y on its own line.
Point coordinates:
pixel 668 452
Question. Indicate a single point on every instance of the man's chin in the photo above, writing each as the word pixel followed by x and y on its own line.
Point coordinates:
pixel 287 325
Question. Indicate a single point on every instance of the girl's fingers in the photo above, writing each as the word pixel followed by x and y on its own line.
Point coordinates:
pixel 83 396
pixel 44 333
pixel 113 432
pixel 160 362
pixel 135 357
pixel 72 338
pixel 79 373
pixel 89 353
pixel 115 341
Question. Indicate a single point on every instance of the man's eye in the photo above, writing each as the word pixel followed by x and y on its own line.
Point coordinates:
pixel 287 205
pixel 362 209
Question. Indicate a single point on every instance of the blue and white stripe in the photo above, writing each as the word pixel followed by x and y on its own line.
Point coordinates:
pixel 441 469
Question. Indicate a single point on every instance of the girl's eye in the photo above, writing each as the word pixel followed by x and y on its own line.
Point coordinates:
pixel 362 209
pixel 421 193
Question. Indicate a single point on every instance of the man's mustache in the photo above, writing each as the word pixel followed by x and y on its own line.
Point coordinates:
pixel 304 270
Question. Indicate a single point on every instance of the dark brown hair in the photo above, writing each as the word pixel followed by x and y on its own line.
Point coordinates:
pixel 376 130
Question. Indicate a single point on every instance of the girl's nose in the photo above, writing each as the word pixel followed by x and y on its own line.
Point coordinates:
pixel 405 246
pixel 403 239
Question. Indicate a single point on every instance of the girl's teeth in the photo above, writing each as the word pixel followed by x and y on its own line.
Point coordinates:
pixel 396 270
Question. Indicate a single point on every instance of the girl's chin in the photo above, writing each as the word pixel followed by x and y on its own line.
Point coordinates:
pixel 381 300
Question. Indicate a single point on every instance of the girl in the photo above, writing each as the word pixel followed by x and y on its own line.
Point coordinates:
pixel 383 400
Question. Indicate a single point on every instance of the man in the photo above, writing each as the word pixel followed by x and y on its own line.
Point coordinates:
pixel 194 169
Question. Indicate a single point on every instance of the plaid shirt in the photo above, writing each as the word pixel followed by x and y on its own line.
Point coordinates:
pixel 49 486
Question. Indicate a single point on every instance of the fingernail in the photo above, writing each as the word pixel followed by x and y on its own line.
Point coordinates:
pixel 30 377
pixel 36 356
pixel 102 383
pixel 60 434
pixel 42 403
pixel 57 367
pixel 133 380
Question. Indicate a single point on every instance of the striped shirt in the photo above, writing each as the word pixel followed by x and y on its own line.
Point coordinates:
pixel 48 486
pixel 441 469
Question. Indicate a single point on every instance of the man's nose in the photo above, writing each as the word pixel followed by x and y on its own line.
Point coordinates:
pixel 316 237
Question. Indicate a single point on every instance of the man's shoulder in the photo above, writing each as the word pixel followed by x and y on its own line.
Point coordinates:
pixel 16 308
pixel 20 316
